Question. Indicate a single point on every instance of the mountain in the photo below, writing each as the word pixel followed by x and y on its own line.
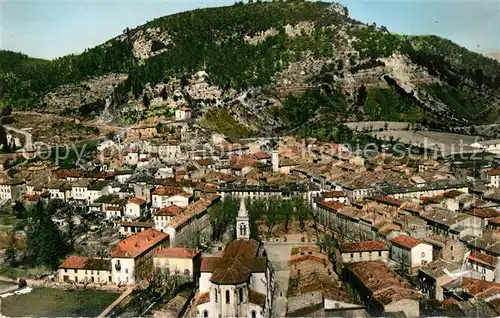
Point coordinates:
pixel 493 55
pixel 261 68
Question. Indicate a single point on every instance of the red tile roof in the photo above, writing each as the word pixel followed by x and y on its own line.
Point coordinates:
pixel 72 173
pixel 171 210
pixel 203 299
pixel 261 155
pixel 205 162
pixel 495 220
pixel 240 162
pixel 493 172
pixel 332 205
pixel 168 191
pixel 365 246
pixel 194 209
pixel 453 194
pixel 436 199
pixel 483 258
pixel 137 244
pixel 333 194
pixel 388 200
pixel 208 263
pixel 236 263
pixel 137 201
pixel 385 286
pixel 406 241
pixel 74 262
pixel 484 213
pixel 317 257
pixel 476 287
pixel 146 224
pixel 177 252
pixel 79 262
pixel 448 302
pixel 32 197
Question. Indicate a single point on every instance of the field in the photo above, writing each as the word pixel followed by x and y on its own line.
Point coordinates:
pixel 50 302
pixel 223 122
pixel 448 143
pixel 377 125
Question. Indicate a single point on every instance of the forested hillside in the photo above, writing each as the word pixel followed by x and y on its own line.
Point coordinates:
pixel 289 64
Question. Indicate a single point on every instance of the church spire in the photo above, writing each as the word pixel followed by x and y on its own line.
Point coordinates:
pixel 242 212
pixel 242 222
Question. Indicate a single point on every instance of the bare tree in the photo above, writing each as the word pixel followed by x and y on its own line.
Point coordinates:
pixel 402 267
pixel 191 236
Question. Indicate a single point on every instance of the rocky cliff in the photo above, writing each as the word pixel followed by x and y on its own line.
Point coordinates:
pixel 257 60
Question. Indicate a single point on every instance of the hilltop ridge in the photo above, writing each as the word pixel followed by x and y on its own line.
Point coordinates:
pixel 271 66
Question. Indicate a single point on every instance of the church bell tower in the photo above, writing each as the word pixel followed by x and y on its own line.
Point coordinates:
pixel 242 222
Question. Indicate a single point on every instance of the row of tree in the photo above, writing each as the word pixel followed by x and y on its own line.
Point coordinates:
pixel 271 212
pixel 277 211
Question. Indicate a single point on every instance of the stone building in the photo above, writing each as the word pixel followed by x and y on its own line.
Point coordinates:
pixel 381 290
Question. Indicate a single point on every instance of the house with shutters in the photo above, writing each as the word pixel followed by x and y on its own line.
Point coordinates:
pixel 136 208
pixel 410 251
pixel 78 269
pixel 132 257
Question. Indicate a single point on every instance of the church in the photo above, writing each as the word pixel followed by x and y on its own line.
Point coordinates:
pixel 239 282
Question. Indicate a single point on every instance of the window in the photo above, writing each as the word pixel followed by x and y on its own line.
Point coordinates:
pixel 423 254
pixel 227 297
pixel 241 295
pixel 76 271
pixel 126 270
pixel 65 270
pixel 216 292
pixel 484 270
pixel 379 253
pixel 205 313
pixel 109 279
pixel 451 248
pixel 337 305
pixel 483 277
pixel 254 314
pixel 352 255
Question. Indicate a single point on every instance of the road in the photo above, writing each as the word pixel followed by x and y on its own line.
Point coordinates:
pixel 279 254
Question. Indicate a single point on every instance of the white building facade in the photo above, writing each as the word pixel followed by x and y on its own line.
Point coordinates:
pixel 410 251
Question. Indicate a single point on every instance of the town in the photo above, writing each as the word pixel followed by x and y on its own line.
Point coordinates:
pixel 177 222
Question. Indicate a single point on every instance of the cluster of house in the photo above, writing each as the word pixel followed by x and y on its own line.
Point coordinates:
pixel 237 282
pixel 412 215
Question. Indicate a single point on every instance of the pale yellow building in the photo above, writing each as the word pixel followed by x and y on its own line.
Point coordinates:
pixel 178 260
pixel 80 269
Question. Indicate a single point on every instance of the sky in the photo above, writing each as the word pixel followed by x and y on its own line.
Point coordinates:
pixel 53 28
